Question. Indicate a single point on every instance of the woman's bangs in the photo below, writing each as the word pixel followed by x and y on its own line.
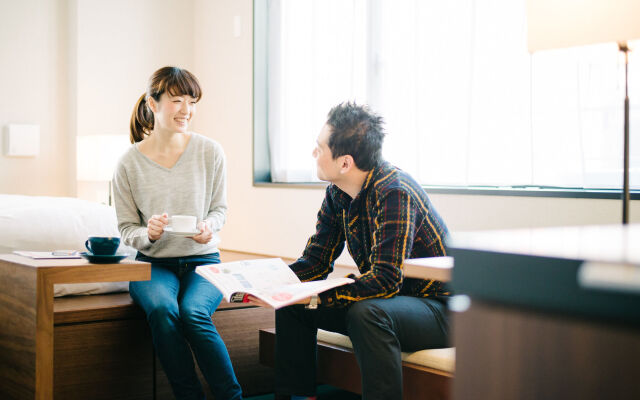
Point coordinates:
pixel 183 83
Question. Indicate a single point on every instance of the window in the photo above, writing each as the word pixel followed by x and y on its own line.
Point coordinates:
pixel 464 102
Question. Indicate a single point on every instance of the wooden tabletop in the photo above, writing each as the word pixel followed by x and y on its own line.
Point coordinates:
pixel 600 243
pixel 438 268
pixel 78 270
pixel 56 263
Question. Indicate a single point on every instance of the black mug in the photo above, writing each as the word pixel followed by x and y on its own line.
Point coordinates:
pixel 102 246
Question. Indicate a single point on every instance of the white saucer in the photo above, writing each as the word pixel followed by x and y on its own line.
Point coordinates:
pixel 171 231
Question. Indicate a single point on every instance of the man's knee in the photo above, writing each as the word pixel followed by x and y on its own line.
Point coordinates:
pixel 289 314
pixel 367 314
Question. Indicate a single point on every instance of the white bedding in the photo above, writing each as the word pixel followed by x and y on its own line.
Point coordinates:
pixel 40 223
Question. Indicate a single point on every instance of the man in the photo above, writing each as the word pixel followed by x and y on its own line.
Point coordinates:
pixel 384 216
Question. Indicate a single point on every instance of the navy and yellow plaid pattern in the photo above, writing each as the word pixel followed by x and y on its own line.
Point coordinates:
pixel 391 219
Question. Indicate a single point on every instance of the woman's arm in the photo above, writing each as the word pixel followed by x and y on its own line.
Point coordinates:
pixel 132 232
pixel 217 213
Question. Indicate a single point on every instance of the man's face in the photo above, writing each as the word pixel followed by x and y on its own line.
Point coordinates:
pixel 328 168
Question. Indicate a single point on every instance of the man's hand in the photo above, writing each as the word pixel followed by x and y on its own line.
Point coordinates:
pixel 205 234
pixel 257 302
pixel 156 225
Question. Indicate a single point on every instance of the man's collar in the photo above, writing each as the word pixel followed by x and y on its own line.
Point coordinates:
pixel 344 199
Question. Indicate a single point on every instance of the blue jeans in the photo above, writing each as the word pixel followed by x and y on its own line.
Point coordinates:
pixel 179 304
pixel 380 329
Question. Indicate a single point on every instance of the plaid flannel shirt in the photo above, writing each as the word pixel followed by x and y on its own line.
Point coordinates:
pixel 389 220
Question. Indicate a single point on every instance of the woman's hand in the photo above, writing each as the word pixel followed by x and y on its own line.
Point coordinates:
pixel 156 225
pixel 205 234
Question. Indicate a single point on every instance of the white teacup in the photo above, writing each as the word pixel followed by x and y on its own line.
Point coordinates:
pixel 183 223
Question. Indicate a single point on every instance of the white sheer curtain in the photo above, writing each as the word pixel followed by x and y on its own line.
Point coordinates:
pixel 465 104
pixel 317 59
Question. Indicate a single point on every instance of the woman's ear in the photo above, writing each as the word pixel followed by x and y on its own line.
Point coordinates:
pixel 151 103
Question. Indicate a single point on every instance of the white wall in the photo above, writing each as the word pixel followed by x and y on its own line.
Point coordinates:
pixel 77 67
pixel 117 45
pixel 33 91
pixel 87 61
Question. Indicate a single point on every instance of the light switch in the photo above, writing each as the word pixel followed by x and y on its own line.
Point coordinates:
pixel 237 26
pixel 21 140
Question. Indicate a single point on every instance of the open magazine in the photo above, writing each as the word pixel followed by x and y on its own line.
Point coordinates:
pixel 270 280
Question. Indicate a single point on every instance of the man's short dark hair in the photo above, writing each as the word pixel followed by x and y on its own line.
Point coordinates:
pixel 358 132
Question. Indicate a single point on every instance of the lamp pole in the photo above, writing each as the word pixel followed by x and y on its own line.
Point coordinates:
pixel 625 170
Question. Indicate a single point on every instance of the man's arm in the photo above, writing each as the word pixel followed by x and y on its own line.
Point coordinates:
pixel 392 241
pixel 324 246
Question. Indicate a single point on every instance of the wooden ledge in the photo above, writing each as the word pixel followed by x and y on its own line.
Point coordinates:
pixel 438 268
pixel 107 307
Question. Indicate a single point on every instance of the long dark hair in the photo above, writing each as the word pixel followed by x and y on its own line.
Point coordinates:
pixel 173 80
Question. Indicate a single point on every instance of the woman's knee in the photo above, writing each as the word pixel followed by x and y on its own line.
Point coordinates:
pixel 194 317
pixel 163 317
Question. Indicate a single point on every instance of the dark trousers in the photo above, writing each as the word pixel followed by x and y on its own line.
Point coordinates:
pixel 380 329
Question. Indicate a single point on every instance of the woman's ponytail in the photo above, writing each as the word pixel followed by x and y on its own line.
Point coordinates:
pixel 141 120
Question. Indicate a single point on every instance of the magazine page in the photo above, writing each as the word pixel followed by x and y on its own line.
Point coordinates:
pixel 240 276
pixel 281 296
pixel 270 280
pixel 43 255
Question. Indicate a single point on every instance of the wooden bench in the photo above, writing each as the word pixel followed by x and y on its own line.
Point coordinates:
pixel 103 347
pixel 426 376
pixel 338 367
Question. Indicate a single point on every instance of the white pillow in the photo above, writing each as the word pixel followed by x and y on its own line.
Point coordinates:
pixel 39 223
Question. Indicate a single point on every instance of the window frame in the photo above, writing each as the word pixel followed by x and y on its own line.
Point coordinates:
pixel 261 169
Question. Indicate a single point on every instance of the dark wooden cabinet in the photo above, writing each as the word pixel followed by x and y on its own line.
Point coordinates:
pixel 103 360
pixel 103 349
pixel 506 353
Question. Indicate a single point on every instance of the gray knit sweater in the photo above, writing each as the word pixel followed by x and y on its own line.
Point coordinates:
pixel 195 185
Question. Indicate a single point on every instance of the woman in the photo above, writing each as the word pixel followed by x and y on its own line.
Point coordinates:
pixel 172 171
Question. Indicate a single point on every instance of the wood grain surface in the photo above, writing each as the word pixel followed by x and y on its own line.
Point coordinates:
pixel 18 287
pixel 103 360
pixel 26 302
pixel 511 353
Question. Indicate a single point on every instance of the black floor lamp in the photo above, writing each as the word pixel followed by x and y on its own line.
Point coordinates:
pixel 565 23
pixel 625 180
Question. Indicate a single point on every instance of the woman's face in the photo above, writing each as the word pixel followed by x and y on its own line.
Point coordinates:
pixel 173 113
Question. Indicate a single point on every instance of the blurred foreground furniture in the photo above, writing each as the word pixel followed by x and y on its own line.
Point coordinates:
pixel 427 374
pixel 554 313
